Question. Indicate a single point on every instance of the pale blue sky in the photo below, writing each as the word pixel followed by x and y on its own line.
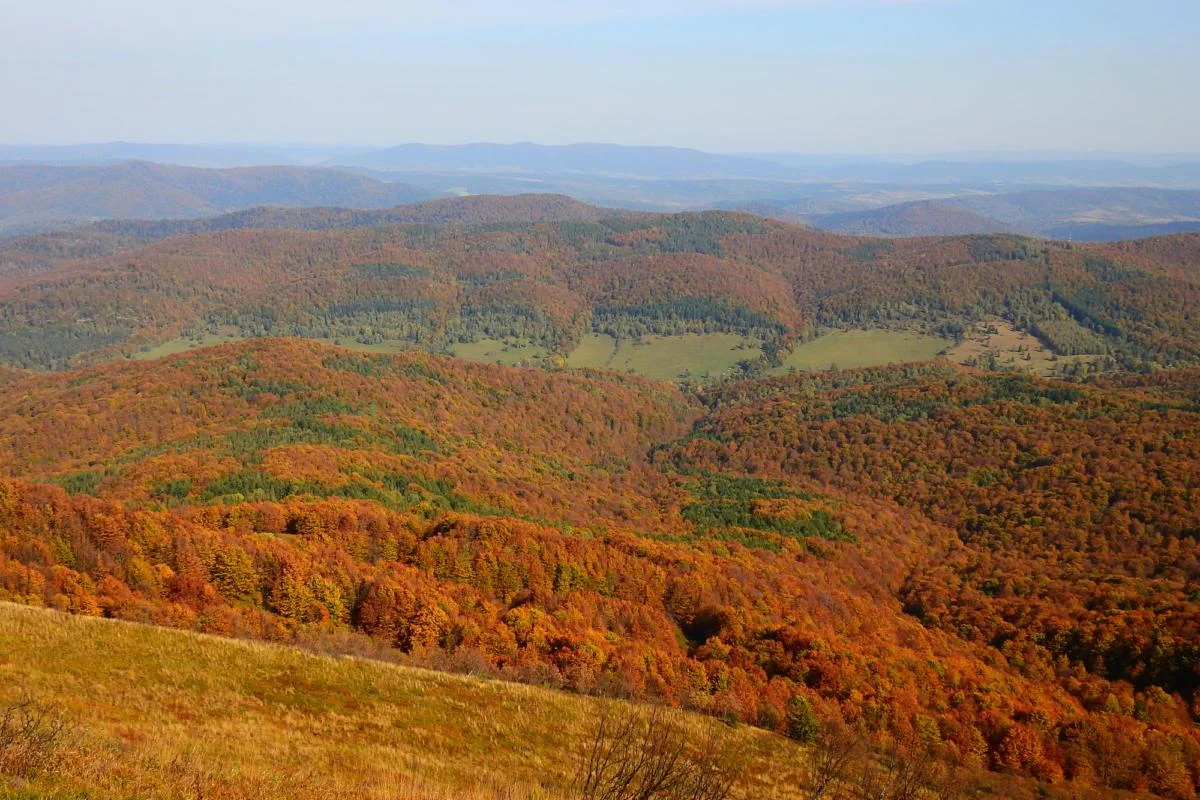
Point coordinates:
pixel 842 76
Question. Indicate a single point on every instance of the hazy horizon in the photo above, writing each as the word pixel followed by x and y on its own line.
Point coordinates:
pixel 997 155
pixel 827 77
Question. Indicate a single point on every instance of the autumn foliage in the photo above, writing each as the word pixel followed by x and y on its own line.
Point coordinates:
pixel 1001 568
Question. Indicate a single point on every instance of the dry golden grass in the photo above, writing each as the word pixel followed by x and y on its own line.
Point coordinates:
pixel 170 714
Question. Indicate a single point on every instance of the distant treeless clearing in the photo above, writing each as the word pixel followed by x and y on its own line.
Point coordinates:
pixel 993 342
pixel 497 351
pixel 698 355
pixel 862 348
pixel 183 344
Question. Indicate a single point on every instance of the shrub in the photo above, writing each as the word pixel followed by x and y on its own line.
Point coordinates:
pixel 649 756
pixel 32 738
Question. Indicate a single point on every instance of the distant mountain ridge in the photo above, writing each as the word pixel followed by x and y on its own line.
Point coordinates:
pixel 188 155
pixel 1091 214
pixel 39 197
pixel 1099 199
pixel 22 256
pixel 601 159
pixel 921 218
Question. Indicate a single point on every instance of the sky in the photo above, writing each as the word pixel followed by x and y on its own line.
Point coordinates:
pixel 808 76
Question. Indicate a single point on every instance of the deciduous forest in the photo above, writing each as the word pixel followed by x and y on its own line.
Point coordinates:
pixel 1002 567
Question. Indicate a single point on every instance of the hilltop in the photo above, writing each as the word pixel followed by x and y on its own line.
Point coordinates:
pixel 476 210
pixel 284 417
pixel 44 252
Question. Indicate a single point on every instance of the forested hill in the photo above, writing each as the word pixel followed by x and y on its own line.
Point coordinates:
pixel 40 197
pixel 473 210
pixel 549 272
pixel 26 255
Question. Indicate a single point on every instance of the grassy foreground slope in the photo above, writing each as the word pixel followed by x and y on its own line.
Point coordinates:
pixel 167 714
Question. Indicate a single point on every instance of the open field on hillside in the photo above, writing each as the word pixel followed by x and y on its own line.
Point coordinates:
pixel 862 348
pixel 666 357
pixel 509 353
pixel 995 343
pixel 167 714
pixel 595 350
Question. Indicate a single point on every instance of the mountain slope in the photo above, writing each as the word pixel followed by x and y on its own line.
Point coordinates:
pixel 405 282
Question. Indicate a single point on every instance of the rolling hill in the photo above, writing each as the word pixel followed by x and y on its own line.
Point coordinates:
pixel 971 566
pixel 38 197
pixel 471 211
pixel 452 272
pixel 27 255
